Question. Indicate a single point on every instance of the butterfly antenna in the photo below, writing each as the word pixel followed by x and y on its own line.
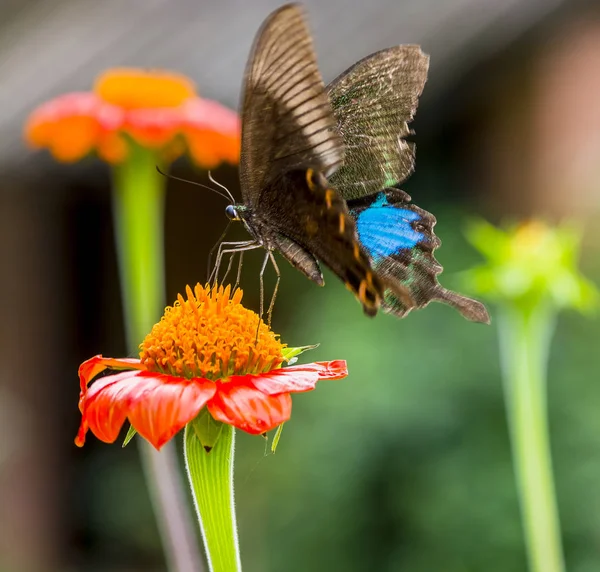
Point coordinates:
pixel 168 176
pixel 222 186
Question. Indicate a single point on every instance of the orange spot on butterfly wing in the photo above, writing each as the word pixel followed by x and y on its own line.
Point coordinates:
pixel 310 180
pixel 329 195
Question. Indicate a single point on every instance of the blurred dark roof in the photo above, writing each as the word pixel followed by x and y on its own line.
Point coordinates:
pixel 48 47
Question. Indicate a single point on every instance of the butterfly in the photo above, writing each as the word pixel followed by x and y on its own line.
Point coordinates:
pixel 316 166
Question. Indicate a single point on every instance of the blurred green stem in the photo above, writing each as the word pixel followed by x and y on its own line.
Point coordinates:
pixel 525 334
pixel 211 478
pixel 138 208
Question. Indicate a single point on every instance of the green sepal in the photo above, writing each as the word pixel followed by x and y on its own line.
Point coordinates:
pixel 290 355
pixel 131 433
pixel 207 429
pixel 276 438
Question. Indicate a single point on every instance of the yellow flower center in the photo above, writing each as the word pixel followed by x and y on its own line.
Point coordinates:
pixel 531 236
pixel 139 89
pixel 210 335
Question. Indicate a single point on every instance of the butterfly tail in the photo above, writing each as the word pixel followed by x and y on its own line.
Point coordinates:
pixel 399 302
pixel 471 309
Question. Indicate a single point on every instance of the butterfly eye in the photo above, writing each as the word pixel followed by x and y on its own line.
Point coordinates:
pixel 231 212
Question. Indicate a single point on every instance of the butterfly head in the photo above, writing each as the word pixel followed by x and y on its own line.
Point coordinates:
pixel 232 212
pixel 242 213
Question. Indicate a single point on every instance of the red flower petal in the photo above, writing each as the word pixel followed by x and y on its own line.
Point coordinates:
pixel 163 404
pixel 336 369
pixel 93 366
pixel 66 125
pixel 158 406
pixel 247 408
pixel 282 381
pixel 104 406
pixel 297 378
pixel 206 114
pixel 153 127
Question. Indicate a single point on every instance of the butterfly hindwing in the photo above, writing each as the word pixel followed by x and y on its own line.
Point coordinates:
pixel 373 102
pixel 287 119
pixel 399 238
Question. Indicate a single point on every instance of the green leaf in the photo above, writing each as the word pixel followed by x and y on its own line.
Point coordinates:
pixel 131 433
pixel 276 438
pixel 291 354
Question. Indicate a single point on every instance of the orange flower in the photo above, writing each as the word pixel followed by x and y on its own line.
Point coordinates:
pixel 208 351
pixel 158 110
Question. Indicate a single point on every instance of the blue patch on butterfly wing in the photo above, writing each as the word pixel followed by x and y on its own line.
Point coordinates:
pixel 384 229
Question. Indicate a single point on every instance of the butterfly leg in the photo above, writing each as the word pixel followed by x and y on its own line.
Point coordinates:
pixel 235 247
pixel 213 274
pixel 275 290
pixel 229 266
pixel 212 251
pixel 262 292
pixel 239 272
pixel 262 284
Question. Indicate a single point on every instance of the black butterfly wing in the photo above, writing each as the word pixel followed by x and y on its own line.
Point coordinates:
pixel 313 219
pixel 399 238
pixel 290 142
pixel 373 102
pixel 287 119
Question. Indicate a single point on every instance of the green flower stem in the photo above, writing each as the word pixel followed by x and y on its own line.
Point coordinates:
pixel 211 479
pixel 525 334
pixel 138 207
pixel 139 197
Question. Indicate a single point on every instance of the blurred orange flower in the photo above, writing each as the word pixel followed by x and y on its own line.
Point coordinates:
pixel 208 351
pixel 159 110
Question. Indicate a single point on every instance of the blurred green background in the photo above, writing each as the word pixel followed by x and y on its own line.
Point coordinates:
pixel 403 466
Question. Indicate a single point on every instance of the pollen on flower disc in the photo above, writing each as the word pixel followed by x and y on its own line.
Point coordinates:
pixel 210 335
pixel 140 89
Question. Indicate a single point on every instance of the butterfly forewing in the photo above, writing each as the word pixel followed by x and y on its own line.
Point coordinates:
pixel 373 102
pixel 287 120
pixel 290 142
